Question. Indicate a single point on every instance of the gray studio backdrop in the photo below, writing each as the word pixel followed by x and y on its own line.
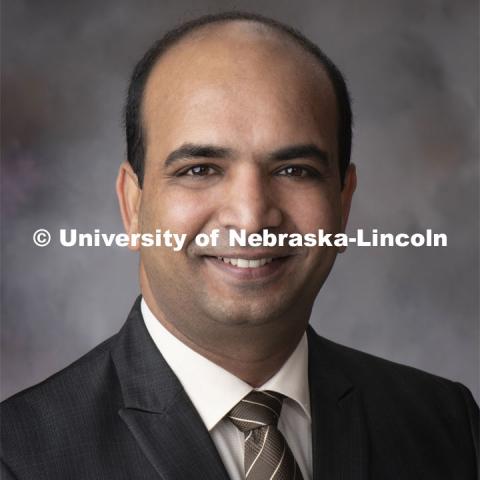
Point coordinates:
pixel 412 70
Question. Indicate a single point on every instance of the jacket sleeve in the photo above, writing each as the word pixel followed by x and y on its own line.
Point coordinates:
pixel 474 419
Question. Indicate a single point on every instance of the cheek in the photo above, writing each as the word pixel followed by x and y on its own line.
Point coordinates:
pixel 313 210
pixel 177 211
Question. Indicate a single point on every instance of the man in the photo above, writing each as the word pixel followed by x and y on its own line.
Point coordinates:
pixel 236 122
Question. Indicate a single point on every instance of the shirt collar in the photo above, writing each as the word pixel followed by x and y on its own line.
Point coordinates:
pixel 225 390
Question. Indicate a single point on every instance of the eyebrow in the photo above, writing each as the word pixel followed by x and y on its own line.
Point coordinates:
pixel 191 150
pixel 300 151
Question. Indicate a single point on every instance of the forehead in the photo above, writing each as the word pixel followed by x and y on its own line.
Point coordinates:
pixel 238 67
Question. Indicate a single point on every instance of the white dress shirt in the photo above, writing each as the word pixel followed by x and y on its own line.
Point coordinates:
pixel 214 392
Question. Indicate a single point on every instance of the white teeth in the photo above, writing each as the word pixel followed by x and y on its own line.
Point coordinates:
pixel 244 263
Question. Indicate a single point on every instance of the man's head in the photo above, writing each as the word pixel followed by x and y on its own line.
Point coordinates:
pixel 240 130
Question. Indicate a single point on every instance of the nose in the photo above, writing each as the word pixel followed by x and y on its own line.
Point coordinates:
pixel 249 202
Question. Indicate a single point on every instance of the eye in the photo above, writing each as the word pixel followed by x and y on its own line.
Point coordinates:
pixel 198 171
pixel 297 172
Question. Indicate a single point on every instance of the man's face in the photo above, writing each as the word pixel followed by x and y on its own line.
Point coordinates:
pixel 258 118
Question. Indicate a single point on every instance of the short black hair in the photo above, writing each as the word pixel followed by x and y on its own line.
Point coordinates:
pixel 133 110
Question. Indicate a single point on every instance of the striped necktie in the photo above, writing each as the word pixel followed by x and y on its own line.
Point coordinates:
pixel 267 455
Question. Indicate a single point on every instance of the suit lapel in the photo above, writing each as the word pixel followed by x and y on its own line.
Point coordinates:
pixel 175 443
pixel 158 412
pixel 339 433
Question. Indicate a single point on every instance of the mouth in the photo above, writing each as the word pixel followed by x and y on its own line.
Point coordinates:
pixel 241 268
pixel 245 262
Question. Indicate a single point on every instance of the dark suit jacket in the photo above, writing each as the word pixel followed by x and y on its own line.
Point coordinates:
pixel 119 412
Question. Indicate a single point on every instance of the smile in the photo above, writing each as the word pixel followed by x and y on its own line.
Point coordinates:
pixel 245 263
pixel 260 269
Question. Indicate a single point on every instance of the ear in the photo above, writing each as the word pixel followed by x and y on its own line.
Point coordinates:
pixel 349 186
pixel 129 196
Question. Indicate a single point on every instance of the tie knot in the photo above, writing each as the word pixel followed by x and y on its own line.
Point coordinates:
pixel 257 409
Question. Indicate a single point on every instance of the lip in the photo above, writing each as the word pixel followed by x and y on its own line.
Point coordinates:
pixel 266 272
pixel 249 255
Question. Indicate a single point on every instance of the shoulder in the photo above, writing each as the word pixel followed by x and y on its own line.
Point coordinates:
pixel 82 383
pixel 379 376
pixel 58 387
pixel 370 368
pixel 69 426
pixel 394 394
pixel 52 411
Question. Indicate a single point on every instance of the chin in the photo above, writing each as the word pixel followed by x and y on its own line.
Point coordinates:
pixel 254 313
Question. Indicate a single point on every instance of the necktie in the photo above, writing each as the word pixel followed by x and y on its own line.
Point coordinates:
pixel 267 455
